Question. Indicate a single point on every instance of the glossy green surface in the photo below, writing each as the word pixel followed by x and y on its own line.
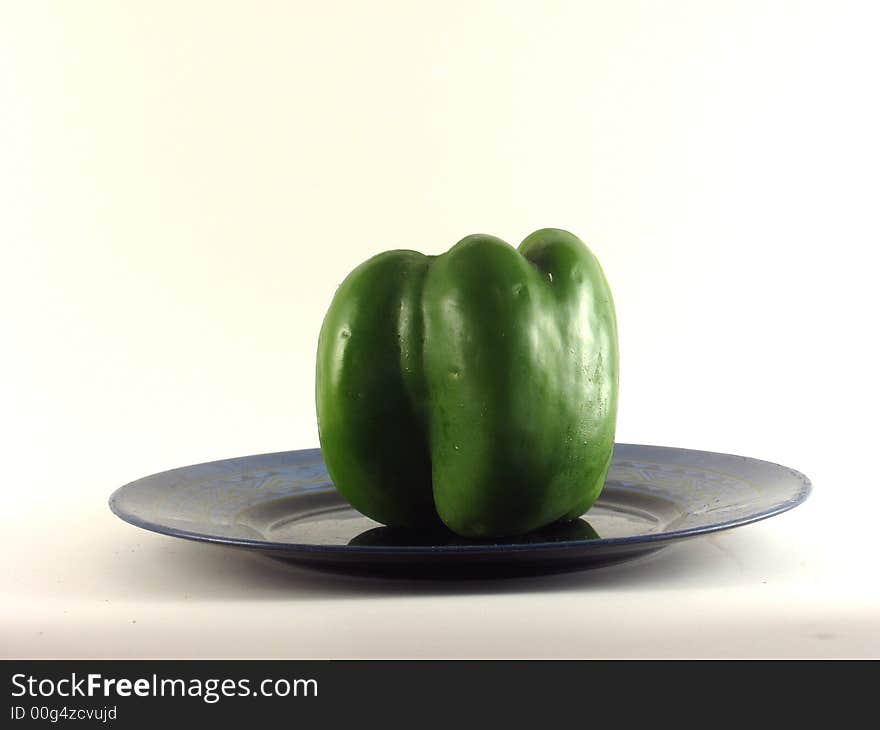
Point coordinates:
pixel 479 385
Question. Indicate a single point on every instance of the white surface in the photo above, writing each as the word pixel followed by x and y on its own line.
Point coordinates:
pixel 789 587
pixel 184 185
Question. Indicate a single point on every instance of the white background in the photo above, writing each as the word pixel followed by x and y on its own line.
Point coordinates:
pixel 184 185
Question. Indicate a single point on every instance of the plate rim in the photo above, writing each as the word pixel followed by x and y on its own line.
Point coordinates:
pixel 799 497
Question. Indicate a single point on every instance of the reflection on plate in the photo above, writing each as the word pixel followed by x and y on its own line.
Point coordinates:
pixel 284 505
pixel 382 536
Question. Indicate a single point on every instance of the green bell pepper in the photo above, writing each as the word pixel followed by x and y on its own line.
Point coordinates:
pixel 477 388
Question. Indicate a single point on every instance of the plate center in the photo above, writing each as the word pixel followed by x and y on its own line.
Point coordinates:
pixel 323 517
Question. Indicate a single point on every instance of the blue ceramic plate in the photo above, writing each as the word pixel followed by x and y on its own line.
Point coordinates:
pixel 284 505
